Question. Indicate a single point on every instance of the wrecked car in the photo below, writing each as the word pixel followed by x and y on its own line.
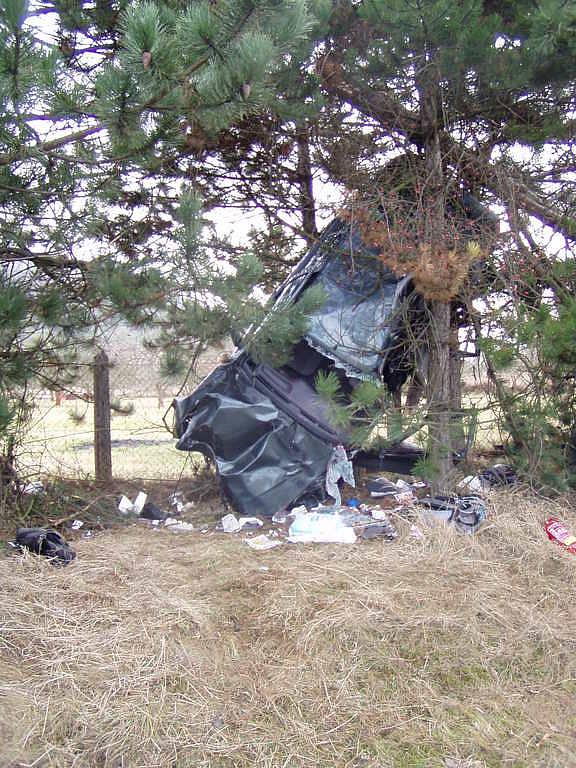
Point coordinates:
pixel 265 429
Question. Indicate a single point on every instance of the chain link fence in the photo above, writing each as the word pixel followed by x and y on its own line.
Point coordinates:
pixel 60 438
pixel 136 369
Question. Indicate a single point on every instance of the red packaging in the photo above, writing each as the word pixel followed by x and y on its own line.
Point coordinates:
pixel 558 532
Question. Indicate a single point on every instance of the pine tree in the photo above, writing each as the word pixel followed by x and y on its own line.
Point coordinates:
pixel 111 111
pixel 92 131
pixel 464 86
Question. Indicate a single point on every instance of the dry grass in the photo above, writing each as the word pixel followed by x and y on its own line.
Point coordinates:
pixel 156 650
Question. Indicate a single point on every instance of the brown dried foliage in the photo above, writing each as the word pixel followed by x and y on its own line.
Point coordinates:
pixel 439 266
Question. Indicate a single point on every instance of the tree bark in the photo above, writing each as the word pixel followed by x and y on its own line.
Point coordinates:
pixel 434 228
pixel 306 196
pixel 439 397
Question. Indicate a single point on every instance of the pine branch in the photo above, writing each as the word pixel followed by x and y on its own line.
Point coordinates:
pixel 41 259
pixel 384 107
pixel 46 146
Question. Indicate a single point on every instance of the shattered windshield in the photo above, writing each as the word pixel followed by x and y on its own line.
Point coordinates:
pixel 354 324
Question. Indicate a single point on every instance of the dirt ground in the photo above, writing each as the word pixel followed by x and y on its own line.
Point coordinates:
pixel 163 650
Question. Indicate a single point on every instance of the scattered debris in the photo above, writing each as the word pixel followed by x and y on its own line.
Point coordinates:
pixel 366 526
pixel 470 513
pixel 380 529
pixel 36 488
pixel 263 542
pixel 46 542
pixel 151 512
pixel 178 526
pixel 413 488
pixel 147 510
pixel 392 494
pixel 558 533
pixel 230 524
pixel 318 527
pixel 466 512
pixel 176 501
pixel 377 513
pixel 250 522
pixel 339 468
pixel 380 487
pixel 346 523
pixel 127 507
pixel 405 498
pixel 76 525
pixel 500 474
pixel 497 475
pixel 473 483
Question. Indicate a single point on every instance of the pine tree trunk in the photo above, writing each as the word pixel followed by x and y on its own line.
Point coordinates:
pixel 439 396
pixel 306 196
pixel 434 211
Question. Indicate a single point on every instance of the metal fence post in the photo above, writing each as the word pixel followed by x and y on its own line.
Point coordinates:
pixel 102 438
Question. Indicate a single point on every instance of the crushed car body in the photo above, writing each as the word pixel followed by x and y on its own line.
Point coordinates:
pixel 265 429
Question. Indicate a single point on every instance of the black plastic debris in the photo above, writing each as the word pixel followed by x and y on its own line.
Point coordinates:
pixel 380 487
pixel 46 542
pixel 151 512
pixel 265 431
pixel 400 459
pixel 465 512
pixel 500 474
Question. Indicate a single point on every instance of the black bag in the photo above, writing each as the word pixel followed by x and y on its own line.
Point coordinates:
pixel 45 541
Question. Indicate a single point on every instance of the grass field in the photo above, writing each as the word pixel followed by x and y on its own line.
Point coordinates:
pixel 157 650
pixel 60 444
